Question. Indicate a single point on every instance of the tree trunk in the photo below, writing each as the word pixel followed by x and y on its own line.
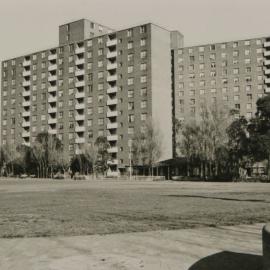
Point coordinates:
pixel 268 169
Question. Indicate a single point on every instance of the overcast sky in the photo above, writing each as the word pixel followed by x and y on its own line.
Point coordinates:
pixel 32 25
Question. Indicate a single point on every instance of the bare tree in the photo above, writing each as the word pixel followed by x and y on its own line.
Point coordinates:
pixel 147 145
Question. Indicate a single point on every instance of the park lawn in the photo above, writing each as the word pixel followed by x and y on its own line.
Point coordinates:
pixel 34 208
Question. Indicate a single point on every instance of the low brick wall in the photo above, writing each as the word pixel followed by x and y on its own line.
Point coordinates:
pixel 266 247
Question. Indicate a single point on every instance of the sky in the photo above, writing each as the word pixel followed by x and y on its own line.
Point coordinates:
pixel 32 25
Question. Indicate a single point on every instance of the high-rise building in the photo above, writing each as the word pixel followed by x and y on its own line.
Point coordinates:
pixel 233 74
pixel 102 82
pixel 97 82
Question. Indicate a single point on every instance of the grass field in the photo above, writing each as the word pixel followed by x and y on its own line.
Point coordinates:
pixel 31 208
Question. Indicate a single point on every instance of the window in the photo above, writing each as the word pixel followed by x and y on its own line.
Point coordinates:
pixel 89 111
pixel 70 102
pixel 249 106
pixel 235 53
pixel 100 86
pixel 143 42
pixel 248 88
pixel 130 93
pixel 101 121
pixel 201 49
pixel 202 92
pixel 247 52
pixel 100 52
pixel 143 116
pixel 212 47
pixel 143 54
pixel 201 58
pixel 129 33
pixel 100 98
pixel 236 98
pixel 201 66
pixel 131 118
pixel 130 45
pixel 143 104
pixel 143 66
pixel 89 54
pixel 143 92
pixel 130 81
pixel 235 44
pixel 100 75
pixel 130 57
pixel 100 64
pixel 143 29
pixel 130 69
pixel 212 56
pixel 100 109
pixel 190 50
pixel 131 130
pixel 89 122
pixel 236 88
pixel 236 71
pixel 131 106
pixel 143 79
pixel 247 42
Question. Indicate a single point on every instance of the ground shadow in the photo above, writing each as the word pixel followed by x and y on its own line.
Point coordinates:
pixel 229 261
pixel 217 198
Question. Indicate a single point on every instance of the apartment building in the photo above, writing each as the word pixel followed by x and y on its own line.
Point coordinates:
pixel 232 74
pixel 97 82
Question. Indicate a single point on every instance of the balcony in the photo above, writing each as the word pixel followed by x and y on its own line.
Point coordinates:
pixel 26 73
pixel 52 110
pixel 26 114
pixel 111 78
pixel 52 89
pixel 112 173
pixel 79 72
pixel 52 67
pixel 25 134
pixel 52 78
pixel 79 61
pixel 80 140
pixel 267 71
pixel 26 103
pixel 52 121
pixel 112 102
pixel 52 99
pixel 26 83
pixel 111 138
pixel 78 151
pixel 266 44
pixel 52 57
pixel 26 93
pixel 26 143
pixel 79 128
pixel 79 83
pixel 79 50
pixel 52 131
pixel 25 124
pixel 112 113
pixel 112 54
pixel 267 80
pixel 267 89
pixel 112 162
pixel 111 66
pixel 79 95
pixel 112 125
pixel 26 63
pixel 267 62
pixel 79 117
pixel 111 42
pixel 112 90
pixel 79 106
pixel 113 149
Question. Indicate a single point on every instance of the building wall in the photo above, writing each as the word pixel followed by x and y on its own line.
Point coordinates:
pixel 230 73
pixel 162 87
